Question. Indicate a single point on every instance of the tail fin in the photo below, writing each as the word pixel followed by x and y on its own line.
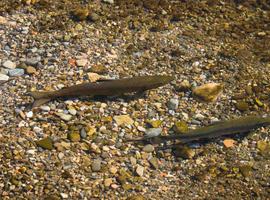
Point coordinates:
pixel 40 98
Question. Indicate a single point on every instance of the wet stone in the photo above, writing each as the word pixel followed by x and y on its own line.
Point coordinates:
pixel 45 143
pixel 9 64
pixel 242 106
pixel 173 104
pixel 153 132
pixel 16 72
pixel 180 127
pixel 96 165
pixel 148 148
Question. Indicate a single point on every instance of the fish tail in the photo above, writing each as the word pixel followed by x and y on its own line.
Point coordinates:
pixel 40 98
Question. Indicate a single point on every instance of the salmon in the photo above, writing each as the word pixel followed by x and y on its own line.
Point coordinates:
pixel 103 88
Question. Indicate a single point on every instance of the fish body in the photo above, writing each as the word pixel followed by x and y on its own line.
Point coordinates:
pixel 240 125
pixel 103 88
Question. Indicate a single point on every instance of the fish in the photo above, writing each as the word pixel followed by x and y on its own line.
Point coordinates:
pixel 103 88
pixel 229 127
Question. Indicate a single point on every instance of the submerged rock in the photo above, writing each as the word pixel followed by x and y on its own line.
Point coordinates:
pixel 208 92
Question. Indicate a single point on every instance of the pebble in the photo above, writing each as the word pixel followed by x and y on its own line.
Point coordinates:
pixel 83 133
pixel 180 127
pixel 108 182
pixel 9 64
pixel 45 143
pixel 93 77
pixel 173 104
pixel 153 132
pixel 148 148
pixel 242 106
pixel 45 108
pixel 31 70
pixel 100 69
pixel 72 111
pixel 154 162
pixel 33 61
pixel 74 136
pixel 64 195
pixel 123 120
pixel 37 129
pixel 3 71
pixel 29 114
pixel 208 92
pixel 184 152
pixel 81 62
pixel 65 117
pixel 113 170
pixel 140 170
pixel 109 1
pixel 16 72
pixel 96 165
pixel 4 77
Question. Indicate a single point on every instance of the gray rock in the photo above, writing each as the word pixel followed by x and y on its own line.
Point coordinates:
pixel 33 61
pixel 4 71
pixel 148 148
pixel 4 77
pixel 16 72
pixel 9 64
pixel 96 165
pixel 173 104
pixel 153 132
pixel 65 117
pixel 83 133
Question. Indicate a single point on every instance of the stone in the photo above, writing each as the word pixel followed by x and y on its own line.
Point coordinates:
pixel 16 72
pixel 154 123
pixel 4 77
pixel 140 170
pixel 83 133
pixel 65 117
pixel 173 104
pixel 180 127
pixel 113 169
pixel 45 108
pixel 264 148
pixel 96 165
pixel 154 162
pixel 228 143
pixel 29 114
pixel 183 86
pixel 45 143
pixel 94 17
pixel 31 70
pixel 74 136
pixel 3 20
pixel 9 64
pixel 93 77
pixel 242 106
pixel 153 132
pixel 148 148
pixel 81 13
pixel 208 92
pixel 109 1
pixel 108 182
pixel 33 61
pixel 123 120
pixel 184 152
pixel 246 170
pixel 81 62
pixel 100 69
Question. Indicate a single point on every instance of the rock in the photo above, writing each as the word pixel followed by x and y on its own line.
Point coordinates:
pixel 108 182
pixel 45 143
pixel 264 148
pixel 65 117
pixel 3 71
pixel 31 70
pixel 79 27
pixel 153 132
pixel 16 72
pixel 83 133
pixel 136 197
pixel 33 61
pixel 113 170
pixel 148 148
pixel 74 136
pixel 140 170
pixel 184 152
pixel 100 69
pixel 154 123
pixel 94 17
pixel 3 20
pixel 109 1
pixel 183 86
pixel 29 114
pixel 154 162
pixel 180 127
pixel 208 92
pixel 9 64
pixel 93 77
pixel 173 104
pixel 72 110
pixel 4 77
pixel 123 119
pixel 228 143
pixel 81 62
pixel 246 170
pixel 81 13
pixel 96 165
pixel 45 108
pixel 242 106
